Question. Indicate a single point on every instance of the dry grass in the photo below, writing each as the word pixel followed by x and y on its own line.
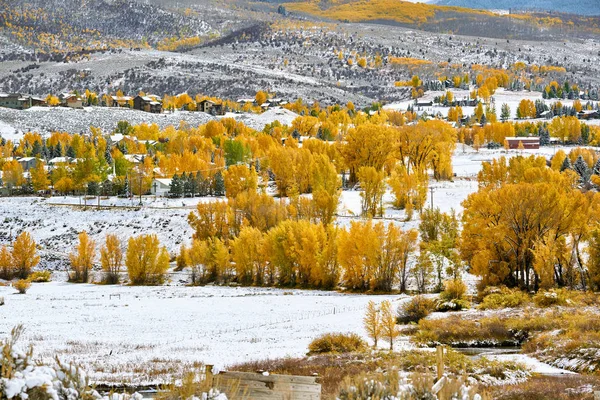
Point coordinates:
pixel 550 388
pixel 333 370
pixel 337 343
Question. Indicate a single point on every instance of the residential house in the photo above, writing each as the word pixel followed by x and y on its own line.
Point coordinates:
pixel 210 107
pixel 147 103
pixel 120 101
pixel 588 114
pixel 532 142
pixel 15 101
pixel 160 187
pixel 70 100
pixel 135 158
pixel 27 162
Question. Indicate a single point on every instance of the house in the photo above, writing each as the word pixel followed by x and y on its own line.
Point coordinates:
pixel 588 114
pixel 205 106
pixel 27 162
pixel 120 101
pixel 210 107
pixel 70 100
pixel 424 103
pixel 15 101
pixel 546 114
pixel 532 142
pixel 37 101
pixel 147 103
pixel 160 186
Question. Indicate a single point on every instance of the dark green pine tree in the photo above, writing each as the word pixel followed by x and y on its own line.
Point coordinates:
pixel 108 156
pixel 93 188
pixel 70 152
pixel 582 169
pixel 126 188
pixel 596 170
pixel 203 185
pixel 218 185
pixel 185 184
pixel 175 188
pixel 57 150
pixel 544 136
pixel 36 150
pixel 566 164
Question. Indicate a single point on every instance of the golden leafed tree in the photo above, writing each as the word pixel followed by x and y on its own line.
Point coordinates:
pixel 372 322
pixel 82 260
pixel 389 330
pixel 111 257
pixel 146 261
pixel 6 265
pixel 24 255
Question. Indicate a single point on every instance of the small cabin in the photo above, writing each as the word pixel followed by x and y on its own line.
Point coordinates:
pixel 530 143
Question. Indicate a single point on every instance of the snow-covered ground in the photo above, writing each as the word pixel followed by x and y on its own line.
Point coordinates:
pixel 45 120
pixel 122 333
pixel 502 96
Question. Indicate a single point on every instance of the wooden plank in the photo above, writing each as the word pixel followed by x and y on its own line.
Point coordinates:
pixel 268 387
pixel 269 378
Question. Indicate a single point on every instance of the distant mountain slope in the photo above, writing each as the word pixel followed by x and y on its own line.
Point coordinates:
pixel 583 7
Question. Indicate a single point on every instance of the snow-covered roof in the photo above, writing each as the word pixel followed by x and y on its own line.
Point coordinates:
pixel 57 160
pixel 25 159
pixel 164 181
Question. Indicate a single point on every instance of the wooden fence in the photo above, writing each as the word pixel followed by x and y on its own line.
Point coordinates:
pixel 259 386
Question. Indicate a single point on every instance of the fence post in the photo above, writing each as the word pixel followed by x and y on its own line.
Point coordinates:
pixel 209 375
pixel 440 362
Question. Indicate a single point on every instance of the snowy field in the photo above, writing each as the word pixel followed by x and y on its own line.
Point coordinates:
pixel 44 120
pixel 144 335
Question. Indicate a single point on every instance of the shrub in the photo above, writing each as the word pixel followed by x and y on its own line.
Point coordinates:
pixel 504 297
pixel 416 309
pixel 40 276
pixel 453 296
pixel 550 298
pixel 22 286
pixel 337 343
pixel 454 289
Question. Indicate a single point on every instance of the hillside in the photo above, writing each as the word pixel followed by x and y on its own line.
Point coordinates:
pixel 452 19
pixel 583 7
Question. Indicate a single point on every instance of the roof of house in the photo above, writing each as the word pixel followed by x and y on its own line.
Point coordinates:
pixel 525 139
pixel 164 181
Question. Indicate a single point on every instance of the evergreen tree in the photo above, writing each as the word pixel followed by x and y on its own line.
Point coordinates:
pixel 57 150
pixel 127 188
pixel 93 188
pixel 45 151
pixel 176 187
pixel 108 155
pixel 566 164
pixel 544 136
pixel 219 185
pixel 203 185
pixel 71 152
pixel 505 112
pixel 36 151
pixel 582 169
pixel 185 184
pixel 596 170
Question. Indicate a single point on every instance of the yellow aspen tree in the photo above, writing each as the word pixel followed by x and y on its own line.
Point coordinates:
pixel 111 258
pixel 146 261
pixel 389 330
pixel 39 177
pixel 326 188
pixel 24 255
pixel 372 183
pixel 372 322
pixel 239 178
pixel 6 267
pixel 83 259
